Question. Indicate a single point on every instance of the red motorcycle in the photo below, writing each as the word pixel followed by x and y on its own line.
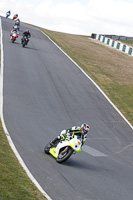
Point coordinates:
pixel 13 37
pixel 15 16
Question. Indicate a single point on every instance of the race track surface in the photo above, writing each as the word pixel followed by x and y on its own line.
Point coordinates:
pixel 45 92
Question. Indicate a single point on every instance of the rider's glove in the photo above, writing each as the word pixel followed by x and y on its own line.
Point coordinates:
pixel 61 137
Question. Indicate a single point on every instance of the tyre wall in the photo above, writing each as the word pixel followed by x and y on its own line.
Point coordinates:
pixel 116 44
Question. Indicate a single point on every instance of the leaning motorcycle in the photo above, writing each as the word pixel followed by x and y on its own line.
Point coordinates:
pixel 15 16
pixel 7 15
pixel 63 149
pixel 25 41
pixel 16 27
pixel 13 37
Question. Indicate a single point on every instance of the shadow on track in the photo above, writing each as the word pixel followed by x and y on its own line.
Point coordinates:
pixel 26 47
pixel 85 165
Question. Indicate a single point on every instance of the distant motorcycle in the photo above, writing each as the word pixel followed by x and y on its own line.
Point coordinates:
pixel 63 149
pixel 7 15
pixel 15 16
pixel 14 37
pixel 25 41
pixel 16 27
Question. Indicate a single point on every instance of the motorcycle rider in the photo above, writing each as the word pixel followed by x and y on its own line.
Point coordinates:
pixel 15 16
pixel 8 14
pixel 13 31
pixel 17 22
pixel 17 28
pixel 25 34
pixel 69 133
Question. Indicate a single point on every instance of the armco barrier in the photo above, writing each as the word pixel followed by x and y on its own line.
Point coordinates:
pixel 115 44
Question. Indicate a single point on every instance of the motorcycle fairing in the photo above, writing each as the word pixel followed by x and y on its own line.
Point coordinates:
pixel 53 152
pixel 74 143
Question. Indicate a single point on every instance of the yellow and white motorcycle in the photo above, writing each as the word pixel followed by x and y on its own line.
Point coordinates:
pixel 63 149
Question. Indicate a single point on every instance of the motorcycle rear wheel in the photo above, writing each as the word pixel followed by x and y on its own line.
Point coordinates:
pixel 64 154
pixel 47 148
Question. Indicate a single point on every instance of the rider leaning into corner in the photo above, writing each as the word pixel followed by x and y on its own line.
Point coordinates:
pixel 75 130
pixel 14 30
pixel 17 22
pixel 8 14
pixel 27 34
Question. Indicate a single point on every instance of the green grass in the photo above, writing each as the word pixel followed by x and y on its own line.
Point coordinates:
pixel 127 42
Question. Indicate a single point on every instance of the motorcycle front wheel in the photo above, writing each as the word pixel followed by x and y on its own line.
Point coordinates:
pixel 13 40
pixel 64 154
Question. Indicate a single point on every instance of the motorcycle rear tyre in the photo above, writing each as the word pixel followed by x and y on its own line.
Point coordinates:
pixel 47 148
pixel 69 153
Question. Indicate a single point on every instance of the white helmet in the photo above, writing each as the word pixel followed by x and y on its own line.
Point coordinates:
pixel 85 127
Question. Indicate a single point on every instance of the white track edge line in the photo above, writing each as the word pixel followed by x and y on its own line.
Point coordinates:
pixel 5 129
pixel 91 81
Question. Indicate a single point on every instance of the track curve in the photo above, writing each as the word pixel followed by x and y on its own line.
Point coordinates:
pixel 43 93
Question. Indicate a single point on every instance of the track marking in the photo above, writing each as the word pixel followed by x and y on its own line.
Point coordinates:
pixel 92 152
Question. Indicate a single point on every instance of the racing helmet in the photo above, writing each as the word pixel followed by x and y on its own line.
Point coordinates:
pixel 85 128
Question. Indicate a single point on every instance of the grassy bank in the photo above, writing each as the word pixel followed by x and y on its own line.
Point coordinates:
pixel 128 42
pixel 111 69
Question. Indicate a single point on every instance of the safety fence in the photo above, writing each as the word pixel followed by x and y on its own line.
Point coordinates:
pixel 115 44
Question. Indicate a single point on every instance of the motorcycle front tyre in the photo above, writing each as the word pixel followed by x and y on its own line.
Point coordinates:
pixel 69 153
pixel 13 40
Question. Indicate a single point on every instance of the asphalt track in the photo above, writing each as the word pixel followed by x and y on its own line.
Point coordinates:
pixel 45 92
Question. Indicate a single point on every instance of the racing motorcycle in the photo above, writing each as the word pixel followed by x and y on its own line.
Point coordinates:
pixel 7 15
pixel 13 37
pixel 63 149
pixel 16 27
pixel 15 16
pixel 25 41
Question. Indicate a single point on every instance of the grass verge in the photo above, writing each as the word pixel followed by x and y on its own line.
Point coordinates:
pixel 128 42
